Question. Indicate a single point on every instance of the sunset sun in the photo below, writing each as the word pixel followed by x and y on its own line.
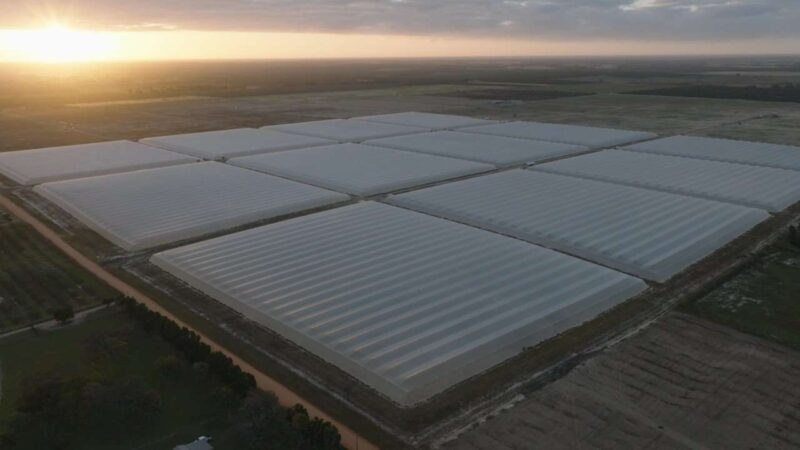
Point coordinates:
pixel 57 44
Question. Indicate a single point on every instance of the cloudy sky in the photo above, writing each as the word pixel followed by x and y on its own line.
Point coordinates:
pixel 532 26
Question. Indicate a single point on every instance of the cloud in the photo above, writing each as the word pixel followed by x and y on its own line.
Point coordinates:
pixel 540 19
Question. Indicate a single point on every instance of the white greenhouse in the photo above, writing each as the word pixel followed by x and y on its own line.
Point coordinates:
pixel 742 152
pixel 219 145
pixel 428 120
pixel 407 303
pixel 647 233
pixel 346 130
pixel 497 150
pixel 360 169
pixel 29 167
pixel 148 208
pixel 759 187
pixel 571 134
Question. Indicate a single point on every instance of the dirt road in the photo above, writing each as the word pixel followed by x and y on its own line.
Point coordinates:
pixel 53 323
pixel 350 439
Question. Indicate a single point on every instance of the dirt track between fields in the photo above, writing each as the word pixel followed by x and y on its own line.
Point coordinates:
pixel 350 439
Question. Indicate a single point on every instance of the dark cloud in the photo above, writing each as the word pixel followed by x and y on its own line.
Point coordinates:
pixel 558 19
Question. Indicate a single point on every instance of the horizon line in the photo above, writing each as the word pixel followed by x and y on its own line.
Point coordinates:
pixel 408 58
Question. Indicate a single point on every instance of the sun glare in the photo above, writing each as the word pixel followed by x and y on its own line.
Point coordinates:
pixel 59 44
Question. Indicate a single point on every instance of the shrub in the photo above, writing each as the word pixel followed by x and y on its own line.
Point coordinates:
pixel 64 314
pixel 53 412
pixel 260 421
pixel 794 236
pixel 170 368
pixel 188 343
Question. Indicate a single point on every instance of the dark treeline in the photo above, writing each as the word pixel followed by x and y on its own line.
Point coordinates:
pixel 512 94
pixel 794 236
pixel 313 433
pixel 59 412
pixel 783 92
pixel 188 343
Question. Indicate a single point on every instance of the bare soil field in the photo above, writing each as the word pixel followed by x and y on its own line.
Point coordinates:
pixel 37 126
pixel 23 133
pixel 683 384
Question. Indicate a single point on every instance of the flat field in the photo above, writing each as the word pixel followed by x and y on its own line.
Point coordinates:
pixel 682 384
pixel 36 278
pixel 763 300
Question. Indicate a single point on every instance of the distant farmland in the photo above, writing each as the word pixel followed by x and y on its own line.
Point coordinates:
pixel 788 92
pixel 35 278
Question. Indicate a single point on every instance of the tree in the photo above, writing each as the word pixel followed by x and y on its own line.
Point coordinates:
pixel 260 423
pixel 119 407
pixel 64 314
pixel 192 348
pixel 316 432
pixel 225 398
pixel 170 367
pixel 794 236
pixel 53 412
pixel 107 345
pixel 45 414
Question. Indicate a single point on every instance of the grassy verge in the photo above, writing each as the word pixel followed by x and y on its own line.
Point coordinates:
pixel 763 300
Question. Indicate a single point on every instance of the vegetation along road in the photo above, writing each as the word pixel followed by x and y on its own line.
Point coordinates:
pixel 350 439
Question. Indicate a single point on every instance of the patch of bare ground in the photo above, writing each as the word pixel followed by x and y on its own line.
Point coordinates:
pixel 22 133
pixel 684 383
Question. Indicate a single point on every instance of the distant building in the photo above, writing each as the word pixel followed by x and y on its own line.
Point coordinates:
pixel 201 443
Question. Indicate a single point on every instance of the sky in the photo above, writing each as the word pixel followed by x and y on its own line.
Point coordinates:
pixel 211 29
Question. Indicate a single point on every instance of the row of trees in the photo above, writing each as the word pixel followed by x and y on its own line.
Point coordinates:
pixel 261 421
pixel 786 92
pixel 794 236
pixel 255 426
pixel 105 402
pixel 54 412
pixel 188 343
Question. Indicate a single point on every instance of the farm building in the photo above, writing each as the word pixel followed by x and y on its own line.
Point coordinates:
pixel 360 169
pixel 148 208
pixel 219 145
pixel 30 167
pixel 742 152
pixel 427 120
pixel 647 233
pixel 758 187
pixel 498 150
pixel 591 137
pixel 347 130
pixel 407 303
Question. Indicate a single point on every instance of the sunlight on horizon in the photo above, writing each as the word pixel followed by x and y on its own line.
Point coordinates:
pixel 58 44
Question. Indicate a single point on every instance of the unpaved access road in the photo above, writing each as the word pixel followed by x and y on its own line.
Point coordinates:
pixel 350 439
